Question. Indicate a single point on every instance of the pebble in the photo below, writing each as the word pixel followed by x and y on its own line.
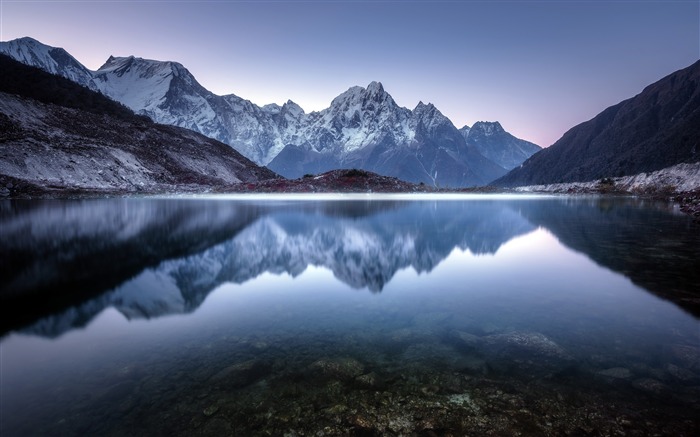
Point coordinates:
pixel 211 410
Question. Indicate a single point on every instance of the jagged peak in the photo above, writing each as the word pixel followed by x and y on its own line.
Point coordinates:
pixel 293 108
pixel 465 128
pixel 272 108
pixel 375 87
pixel 422 110
pixel 488 127
pixel 358 95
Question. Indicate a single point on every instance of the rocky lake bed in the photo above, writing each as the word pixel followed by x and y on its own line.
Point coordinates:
pixel 405 382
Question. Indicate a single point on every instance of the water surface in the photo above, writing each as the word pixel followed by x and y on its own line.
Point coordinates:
pixel 466 316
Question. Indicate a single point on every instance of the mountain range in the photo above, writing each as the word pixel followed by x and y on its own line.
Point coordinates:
pixel 362 128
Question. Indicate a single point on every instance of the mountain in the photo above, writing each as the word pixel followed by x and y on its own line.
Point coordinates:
pixel 365 128
pixel 56 135
pixel 51 59
pixel 494 143
pixel 168 93
pixel 656 129
pixel 362 128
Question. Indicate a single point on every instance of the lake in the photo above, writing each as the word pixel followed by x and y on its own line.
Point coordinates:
pixel 360 315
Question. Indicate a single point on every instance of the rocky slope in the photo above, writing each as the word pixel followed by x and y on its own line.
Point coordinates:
pixel 681 178
pixel 78 140
pixel 362 128
pixel 656 129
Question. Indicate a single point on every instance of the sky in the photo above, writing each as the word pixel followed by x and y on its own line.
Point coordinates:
pixel 538 67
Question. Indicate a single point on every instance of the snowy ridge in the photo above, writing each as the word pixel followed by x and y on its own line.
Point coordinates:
pixel 488 128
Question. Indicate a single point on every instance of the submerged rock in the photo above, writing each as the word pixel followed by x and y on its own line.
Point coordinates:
pixel 616 372
pixel 681 374
pixel 531 352
pixel 211 410
pixel 464 340
pixel 343 368
pixel 242 374
pixel 651 385
pixel 370 381
pixel 687 356
pixel 533 344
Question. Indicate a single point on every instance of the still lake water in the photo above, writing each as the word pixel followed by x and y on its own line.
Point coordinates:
pixel 474 315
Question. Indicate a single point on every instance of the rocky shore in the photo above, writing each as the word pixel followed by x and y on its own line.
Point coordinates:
pixel 689 203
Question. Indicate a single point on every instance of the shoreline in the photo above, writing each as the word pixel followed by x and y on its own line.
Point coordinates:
pixel 351 182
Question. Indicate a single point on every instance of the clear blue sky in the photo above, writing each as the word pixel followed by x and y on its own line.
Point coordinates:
pixel 538 67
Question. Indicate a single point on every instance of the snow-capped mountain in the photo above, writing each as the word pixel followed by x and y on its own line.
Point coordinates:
pixel 363 127
pixel 51 59
pixel 493 142
pixel 169 94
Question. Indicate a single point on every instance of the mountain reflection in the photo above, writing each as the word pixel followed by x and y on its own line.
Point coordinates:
pixel 68 260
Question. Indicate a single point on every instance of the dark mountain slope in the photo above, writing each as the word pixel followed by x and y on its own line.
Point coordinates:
pixel 658 128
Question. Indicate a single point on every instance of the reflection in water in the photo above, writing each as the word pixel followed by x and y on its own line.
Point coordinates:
pixel 484 316
pixel 362 243
pixel 150 257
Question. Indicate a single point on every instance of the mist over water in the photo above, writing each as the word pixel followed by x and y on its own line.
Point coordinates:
pixel 194 316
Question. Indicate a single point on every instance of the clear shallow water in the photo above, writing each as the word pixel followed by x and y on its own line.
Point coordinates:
pixel 491 315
